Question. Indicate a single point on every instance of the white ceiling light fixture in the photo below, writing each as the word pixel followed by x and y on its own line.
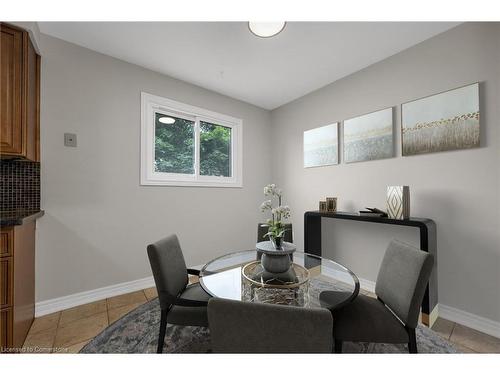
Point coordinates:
pixel 266 29
pixel 166 120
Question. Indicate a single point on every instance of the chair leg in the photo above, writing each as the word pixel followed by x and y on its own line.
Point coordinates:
pixel 338 346
pixel 412 343
pixel 163 330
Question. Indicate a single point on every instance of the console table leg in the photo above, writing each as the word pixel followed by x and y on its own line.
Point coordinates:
pixel 312 234
pixel 428 243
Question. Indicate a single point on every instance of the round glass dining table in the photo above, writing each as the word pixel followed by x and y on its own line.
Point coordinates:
pixel 311 281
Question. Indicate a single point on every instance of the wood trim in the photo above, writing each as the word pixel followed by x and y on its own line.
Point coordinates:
pixel 38 89
pixel 6 279
pixel 24 96
pixel 6 241
pixel 31 100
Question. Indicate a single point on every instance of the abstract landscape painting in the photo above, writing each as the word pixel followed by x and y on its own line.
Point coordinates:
pixel 368 137
pixel 321 146
pixel 442 122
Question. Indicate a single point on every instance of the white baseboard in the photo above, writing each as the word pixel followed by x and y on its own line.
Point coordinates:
pixel 66 302
pixel 485 325
pixel 367 285
pixel 488 326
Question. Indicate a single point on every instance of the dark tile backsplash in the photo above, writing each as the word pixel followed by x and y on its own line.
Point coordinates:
pixel 19 185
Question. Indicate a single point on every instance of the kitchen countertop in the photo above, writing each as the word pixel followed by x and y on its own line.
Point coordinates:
pixel 11 218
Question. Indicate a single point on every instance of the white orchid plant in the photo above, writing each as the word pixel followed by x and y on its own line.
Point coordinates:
pixel 275 224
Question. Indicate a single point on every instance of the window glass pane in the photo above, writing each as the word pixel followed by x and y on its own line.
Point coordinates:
pixel 174 144
pixel 215 150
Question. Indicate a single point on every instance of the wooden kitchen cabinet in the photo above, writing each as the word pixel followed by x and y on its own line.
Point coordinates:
pixel 6 282
pixel 5 328
pixel 17 283
pixel 19 95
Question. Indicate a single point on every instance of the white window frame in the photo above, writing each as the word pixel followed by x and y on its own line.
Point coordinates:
pixel 151 104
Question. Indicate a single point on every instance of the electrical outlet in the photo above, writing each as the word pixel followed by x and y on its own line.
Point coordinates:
pixel 69 140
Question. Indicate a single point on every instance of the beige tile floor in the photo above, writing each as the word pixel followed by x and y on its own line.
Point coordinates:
pixel 69 330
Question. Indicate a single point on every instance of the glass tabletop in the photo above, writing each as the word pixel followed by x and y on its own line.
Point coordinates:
pixel 312 281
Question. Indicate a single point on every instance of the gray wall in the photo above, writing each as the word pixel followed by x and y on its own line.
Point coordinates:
pixel 458 189
pixel 98 219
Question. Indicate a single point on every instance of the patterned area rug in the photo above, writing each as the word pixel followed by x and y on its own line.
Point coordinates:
pixel 137 332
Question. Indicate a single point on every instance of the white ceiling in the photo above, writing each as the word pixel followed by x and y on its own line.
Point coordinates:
pixel 225 57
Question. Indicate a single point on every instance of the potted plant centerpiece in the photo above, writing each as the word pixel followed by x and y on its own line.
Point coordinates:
pixel 275 252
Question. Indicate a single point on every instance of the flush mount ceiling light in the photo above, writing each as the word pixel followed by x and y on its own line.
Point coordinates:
pixel 266 29
pixel 166 120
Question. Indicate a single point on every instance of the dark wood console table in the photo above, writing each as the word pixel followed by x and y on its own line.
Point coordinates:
pixel 428 242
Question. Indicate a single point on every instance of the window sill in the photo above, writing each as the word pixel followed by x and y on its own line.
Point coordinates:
pixel 213 184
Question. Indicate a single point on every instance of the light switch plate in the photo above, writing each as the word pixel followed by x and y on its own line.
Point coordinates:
pixel 69 140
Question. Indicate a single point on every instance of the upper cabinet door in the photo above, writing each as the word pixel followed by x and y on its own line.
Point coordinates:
pixel 11 92
pixel 20 95
pixel 31 112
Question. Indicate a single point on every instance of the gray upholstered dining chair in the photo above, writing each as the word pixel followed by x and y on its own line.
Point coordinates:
pixel 180 303
pixel 251 327
pixel 393 316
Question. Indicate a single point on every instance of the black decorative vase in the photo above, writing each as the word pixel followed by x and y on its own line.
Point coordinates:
pixel 277 242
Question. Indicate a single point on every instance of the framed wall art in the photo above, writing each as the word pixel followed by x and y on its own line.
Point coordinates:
pixel 441 122
pixel 369 137
pixel 321 146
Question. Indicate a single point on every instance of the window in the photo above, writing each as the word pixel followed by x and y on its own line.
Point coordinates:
pixel 183 145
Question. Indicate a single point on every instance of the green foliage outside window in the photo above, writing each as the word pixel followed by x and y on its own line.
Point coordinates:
pixel 174 147
pixel 215 150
